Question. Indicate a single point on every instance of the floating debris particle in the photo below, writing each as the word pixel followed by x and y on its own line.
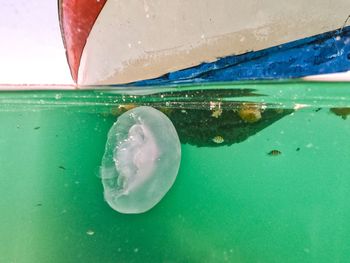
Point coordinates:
pixel 279 110
pixel 90 232
pixel 250 113
pixel 215 108
pixel 62 167
pixel 122 108
pixel 37 128
pixel 275 153
pixel 342 112
pixel 39 204
pixel 298 106
pixel 166 111
pixel 309 145
pixel 218 139
pixel 318 109
pixel 127 107
pixel 216 113
pixel 298 149
pixel 213 105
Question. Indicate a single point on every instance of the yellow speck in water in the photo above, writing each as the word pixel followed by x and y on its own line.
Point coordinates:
pixel 342 112
pixel 166 111
pixel 127 107
pixel 216 113
pixel 279 111
pixel 215 107
pixel 275 153
pixel 122 108
pixel 218 139
pixel 250 113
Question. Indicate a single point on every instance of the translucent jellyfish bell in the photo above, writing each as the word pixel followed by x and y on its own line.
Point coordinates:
pixel 141 160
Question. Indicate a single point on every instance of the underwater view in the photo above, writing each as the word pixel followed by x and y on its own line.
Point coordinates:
pixel 259 172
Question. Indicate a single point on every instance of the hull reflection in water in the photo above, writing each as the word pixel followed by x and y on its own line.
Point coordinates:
pixel 217 122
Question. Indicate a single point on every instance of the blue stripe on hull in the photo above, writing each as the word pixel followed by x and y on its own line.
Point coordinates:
pixel 325 53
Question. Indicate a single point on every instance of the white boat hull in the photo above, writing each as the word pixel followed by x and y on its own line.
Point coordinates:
pixel 143 39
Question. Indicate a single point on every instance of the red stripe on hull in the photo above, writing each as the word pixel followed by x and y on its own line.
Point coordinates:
pixel 77 19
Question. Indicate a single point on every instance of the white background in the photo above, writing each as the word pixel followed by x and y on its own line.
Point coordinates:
pixel 31 48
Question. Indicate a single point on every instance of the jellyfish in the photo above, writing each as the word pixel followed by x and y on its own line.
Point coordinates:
pixel 141 160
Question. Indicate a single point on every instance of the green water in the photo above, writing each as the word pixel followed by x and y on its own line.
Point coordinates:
pixel 234 203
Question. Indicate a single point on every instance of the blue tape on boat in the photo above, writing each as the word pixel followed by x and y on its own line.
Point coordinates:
pixel 325 53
